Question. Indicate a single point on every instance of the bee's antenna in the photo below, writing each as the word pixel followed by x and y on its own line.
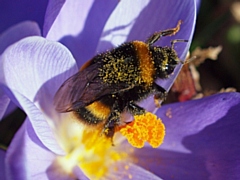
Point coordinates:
pixel 173 42
pixel 189 60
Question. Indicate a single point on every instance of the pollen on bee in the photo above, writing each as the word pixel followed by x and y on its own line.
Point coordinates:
pixel 144 128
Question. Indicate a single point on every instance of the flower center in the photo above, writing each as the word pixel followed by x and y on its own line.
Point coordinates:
pixel 89 149
pixel 100 154
pixel 95 154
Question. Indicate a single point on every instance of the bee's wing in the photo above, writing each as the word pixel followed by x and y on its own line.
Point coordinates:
pixel 74 89
pixel 82 89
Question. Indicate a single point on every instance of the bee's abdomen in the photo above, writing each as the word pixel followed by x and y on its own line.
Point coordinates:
pixel 95 113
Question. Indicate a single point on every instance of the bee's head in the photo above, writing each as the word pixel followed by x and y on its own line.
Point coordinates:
pixel 165 60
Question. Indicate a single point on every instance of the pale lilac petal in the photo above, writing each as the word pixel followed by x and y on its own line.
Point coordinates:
pixel 17 32
pixel 65 18
pixel 201 140
pixel 13 12
pixel 10 36
pixel 39 122
pixel 127 170
pixel 141 174
pixel 78 25
pixel 2 164
pixel 36 68
pixel 41 68
pixel 28 158
pixel 52 11
pixel 79 173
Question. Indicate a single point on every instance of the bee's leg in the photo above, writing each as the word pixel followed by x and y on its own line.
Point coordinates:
pixel 169 32
pixel 160 95
pixel 111 123
pixel 134 109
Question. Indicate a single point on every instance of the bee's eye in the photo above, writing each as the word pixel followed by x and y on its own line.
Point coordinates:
pixel 169 69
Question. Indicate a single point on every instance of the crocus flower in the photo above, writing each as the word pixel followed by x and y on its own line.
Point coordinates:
pixel 50 145
pixel 199 134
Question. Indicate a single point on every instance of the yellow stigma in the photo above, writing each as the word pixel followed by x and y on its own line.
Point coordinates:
pixel 146 127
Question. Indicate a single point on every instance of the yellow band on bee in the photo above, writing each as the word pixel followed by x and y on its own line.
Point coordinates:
pixel 99 110
pixel 146 63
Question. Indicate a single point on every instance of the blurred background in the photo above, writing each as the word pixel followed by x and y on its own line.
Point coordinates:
pixel 218 23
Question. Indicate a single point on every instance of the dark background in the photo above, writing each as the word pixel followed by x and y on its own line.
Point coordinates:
pixel 216 25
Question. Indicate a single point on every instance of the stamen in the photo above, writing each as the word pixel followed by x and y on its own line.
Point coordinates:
pixel 146 127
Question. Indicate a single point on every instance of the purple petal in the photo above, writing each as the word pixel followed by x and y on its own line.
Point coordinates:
pixel 2 164
pixel 13 12
pixel 7 108
pixel 27 157
pixel 137 21
pixel 198 3
pixel 201 140
pixel 193 116
pixel 39 122
pixel 17 32
pixel 4 102
pixel 78 25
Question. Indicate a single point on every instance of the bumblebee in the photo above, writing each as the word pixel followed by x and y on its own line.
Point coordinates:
pixel 114 81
